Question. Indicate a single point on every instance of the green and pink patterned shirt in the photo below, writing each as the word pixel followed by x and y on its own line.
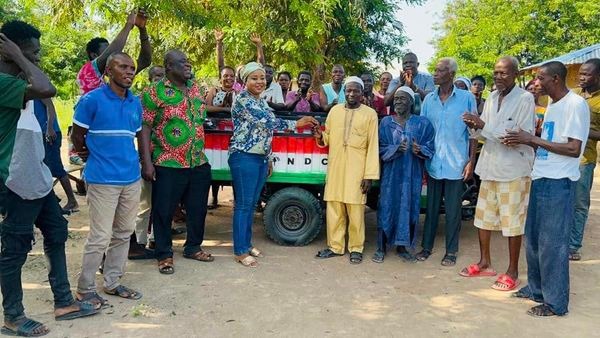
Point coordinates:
pixel 176 120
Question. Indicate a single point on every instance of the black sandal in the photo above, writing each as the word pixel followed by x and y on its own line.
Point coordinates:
pixel 356 257
pixel 378 256
pixel 449 260
pixel 542 310
pixel 423 255
pixel 85 309
pixel 26 328
pixel 93 298
pixel 327 253
pixel 124 292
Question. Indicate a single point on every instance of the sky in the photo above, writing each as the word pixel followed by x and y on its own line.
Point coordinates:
pixel 418 24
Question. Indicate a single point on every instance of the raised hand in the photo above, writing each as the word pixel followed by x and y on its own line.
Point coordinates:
pixel 8 49
pixel 131 18
pixel 141 18
pixel 219 35
pixel 255 38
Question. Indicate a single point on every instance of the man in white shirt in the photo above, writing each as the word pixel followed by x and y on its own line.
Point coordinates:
pixel 551 204
pixel 505 172
pixel 272 93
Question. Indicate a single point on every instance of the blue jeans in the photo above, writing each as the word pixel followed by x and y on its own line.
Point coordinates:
pixel 582 204
pixel 549 217
pixel 248 173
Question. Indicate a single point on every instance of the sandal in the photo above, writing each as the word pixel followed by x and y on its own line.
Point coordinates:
pixel 93 298
pixel 474 270
pixel 165 266
pixel 254 252
pixel 124 292
pixel 378 256
pixel 356 257
pixel 327 253
pixel 505 283
pixel 407 257
pixel 201 256
pixel 449 260
pixel 423 255
pixel 574 256
pixel 542 310
pixel 247 261
pixel 85 309
pixel 142 254
pixel 26 328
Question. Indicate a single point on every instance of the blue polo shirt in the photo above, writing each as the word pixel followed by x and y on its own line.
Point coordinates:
pixel 451 133
pixel 112 123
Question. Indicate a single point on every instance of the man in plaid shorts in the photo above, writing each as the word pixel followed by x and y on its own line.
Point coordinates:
pixel 504 171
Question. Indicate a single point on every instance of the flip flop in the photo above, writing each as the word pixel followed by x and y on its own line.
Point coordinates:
pixel 327 253
pixel 474 270
pixel 25 329
pixel 85 309
pixel 505 283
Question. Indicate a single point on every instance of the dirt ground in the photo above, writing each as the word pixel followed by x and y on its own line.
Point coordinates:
pixel 292 294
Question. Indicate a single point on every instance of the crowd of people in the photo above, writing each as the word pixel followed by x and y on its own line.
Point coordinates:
pixel 535 164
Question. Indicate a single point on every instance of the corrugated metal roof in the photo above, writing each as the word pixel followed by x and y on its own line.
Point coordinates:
pixel 575 57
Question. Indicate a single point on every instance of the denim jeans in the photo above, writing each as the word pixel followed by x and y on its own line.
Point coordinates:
pixel 549 218
pixel 249 173
pixel 16 235
pixel 172 186
pixel 582 204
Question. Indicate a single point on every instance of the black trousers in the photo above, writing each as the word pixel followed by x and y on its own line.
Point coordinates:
pixel 16 236
pixel 172 185
pixel 451 191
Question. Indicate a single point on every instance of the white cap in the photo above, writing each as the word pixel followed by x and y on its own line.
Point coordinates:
pixel 408 90
pixel 354 79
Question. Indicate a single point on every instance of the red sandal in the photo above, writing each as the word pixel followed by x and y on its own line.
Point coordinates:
pixel 474 270
pixel 505 283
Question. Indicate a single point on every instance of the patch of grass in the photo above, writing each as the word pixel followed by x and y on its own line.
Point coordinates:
pixel 64 113
pixel 141 310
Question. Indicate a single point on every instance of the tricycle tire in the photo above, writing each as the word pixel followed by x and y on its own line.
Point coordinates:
pixel 293 216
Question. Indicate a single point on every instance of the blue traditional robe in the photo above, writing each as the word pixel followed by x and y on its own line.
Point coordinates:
pixel 401 177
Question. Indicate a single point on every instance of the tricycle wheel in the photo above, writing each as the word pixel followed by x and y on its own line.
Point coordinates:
pixel 293 216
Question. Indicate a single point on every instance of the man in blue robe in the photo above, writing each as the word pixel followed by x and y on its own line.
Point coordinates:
pixel 405 141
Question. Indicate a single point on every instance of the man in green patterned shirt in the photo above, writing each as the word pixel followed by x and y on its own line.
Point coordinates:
pixel 173 159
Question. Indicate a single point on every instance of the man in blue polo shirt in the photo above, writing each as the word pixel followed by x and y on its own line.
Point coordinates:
pixel 105 124
pixel 453 160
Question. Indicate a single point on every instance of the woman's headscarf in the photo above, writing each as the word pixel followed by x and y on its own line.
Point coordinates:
pixel 251 68
pixel 464 80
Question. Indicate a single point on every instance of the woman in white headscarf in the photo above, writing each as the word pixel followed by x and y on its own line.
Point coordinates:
pixel 249 156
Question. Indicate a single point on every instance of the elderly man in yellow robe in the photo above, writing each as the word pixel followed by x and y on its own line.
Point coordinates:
pixel 353 163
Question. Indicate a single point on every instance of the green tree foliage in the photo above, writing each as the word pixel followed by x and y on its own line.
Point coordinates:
pixel 477 32
pixel 297 34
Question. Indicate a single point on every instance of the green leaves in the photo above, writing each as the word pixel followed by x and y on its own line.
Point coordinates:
pixel 297 34
pixel 477 32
